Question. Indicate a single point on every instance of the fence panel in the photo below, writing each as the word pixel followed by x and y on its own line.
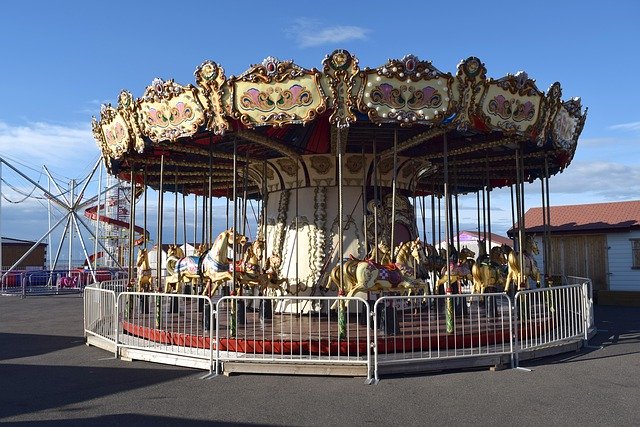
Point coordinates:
pixel 440 326
pixel 179 325
pixel 100 313
pixel 268 329
pixel 550 315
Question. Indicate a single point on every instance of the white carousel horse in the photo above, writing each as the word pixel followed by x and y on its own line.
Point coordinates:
pixel 368 276
pixel 143 271
pixel 187 268
pixel 215 264
pixel 520 276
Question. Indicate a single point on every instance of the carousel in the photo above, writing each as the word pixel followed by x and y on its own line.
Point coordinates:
pixel 344 165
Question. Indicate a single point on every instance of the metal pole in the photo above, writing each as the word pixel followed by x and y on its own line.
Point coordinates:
pixel 159 231
pixel 447 208
pixel 73 187
pixel 342 320
pixel 393 195
pixel 1 259
pixel 376 194
pixel 95 241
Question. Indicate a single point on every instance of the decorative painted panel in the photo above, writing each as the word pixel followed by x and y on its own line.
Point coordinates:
pixel 276 93
pixel 511 104
pixel 406 91
pixel 169 111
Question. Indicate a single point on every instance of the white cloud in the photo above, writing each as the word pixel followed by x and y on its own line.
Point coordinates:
pixel 606 181
pixel 66 149
pixel 632 126
pixel 309 33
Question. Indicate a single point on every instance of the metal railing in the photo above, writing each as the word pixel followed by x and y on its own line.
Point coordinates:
pixel 170 324
pixel 550 315
pixel 290 331
pixel 268 329
pixel 438 327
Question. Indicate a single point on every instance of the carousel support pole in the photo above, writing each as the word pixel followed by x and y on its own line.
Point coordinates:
pixel 235 306
pixel 434 282
pixel 144 298
pixel 342 314
pixel 266 305
pixel 393 195
pixel 546 235
pixel 132 218
pixel 376 195
pixel 297 239
pixel 447 208
pixel 159 244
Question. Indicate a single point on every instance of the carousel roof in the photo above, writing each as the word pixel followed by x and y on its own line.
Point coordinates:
pixel 487 131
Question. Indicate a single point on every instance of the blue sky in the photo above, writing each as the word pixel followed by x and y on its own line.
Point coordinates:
pixel 61 60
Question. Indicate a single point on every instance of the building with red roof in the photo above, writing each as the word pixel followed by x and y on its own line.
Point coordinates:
pixel 600 241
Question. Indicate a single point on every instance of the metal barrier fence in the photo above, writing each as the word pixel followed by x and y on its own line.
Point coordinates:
pixel 100 319
pixel 551 315
pixel 166 324
pixel 266 329
pixel 52 282
pixel 210 333
pixel 418 328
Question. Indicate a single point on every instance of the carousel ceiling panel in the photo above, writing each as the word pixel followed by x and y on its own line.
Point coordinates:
pixel 276 93
pixel 169 111
pixel 276 110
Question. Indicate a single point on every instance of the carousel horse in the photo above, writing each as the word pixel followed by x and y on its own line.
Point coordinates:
pixel 215 265
pixel 435 261
pixel 143 271
pixel 368 276
pixel 520 276
pixel 188 268
pixel 249 271
pixel 459 267
pixel 174 254
pixel 488 271
pixel 272 269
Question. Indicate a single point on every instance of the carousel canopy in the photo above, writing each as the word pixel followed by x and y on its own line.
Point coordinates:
pixel 486 131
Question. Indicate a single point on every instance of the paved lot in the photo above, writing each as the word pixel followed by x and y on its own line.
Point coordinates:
pixel 49 376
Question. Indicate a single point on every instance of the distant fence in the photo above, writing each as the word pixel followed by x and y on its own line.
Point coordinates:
pixel 288 334
pixel 52 282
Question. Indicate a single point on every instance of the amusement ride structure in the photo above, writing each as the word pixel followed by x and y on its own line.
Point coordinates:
pixel 340 158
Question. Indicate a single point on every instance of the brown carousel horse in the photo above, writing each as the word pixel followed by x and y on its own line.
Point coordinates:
pixel 489 270
pixel 143 271
pixel 460 270
pixel 250 273
pixel 172 280
pixel 368 276
pixel 518 275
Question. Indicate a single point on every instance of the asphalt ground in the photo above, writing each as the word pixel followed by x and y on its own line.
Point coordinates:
pixel 48 376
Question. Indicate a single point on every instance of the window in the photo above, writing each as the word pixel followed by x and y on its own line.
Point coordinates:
pixel 635 253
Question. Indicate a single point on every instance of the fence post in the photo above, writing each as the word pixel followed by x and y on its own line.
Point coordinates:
pixel 117 324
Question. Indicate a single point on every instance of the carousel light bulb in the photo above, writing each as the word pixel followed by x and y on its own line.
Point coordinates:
pixel 384 115
pixel 369 104
pixel 366 95
pixel 394 69
pixel 420 112
pixel 368 84
pixel 393 110
pixel 400 74
pixel 418 75
pixel 378 78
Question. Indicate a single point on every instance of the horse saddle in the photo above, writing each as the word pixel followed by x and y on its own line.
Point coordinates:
pixel 388 272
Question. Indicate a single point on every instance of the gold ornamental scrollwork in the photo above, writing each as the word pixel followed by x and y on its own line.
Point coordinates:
pixel 113 133
pixel 340 72
pixel 321 164
pixel 210 77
